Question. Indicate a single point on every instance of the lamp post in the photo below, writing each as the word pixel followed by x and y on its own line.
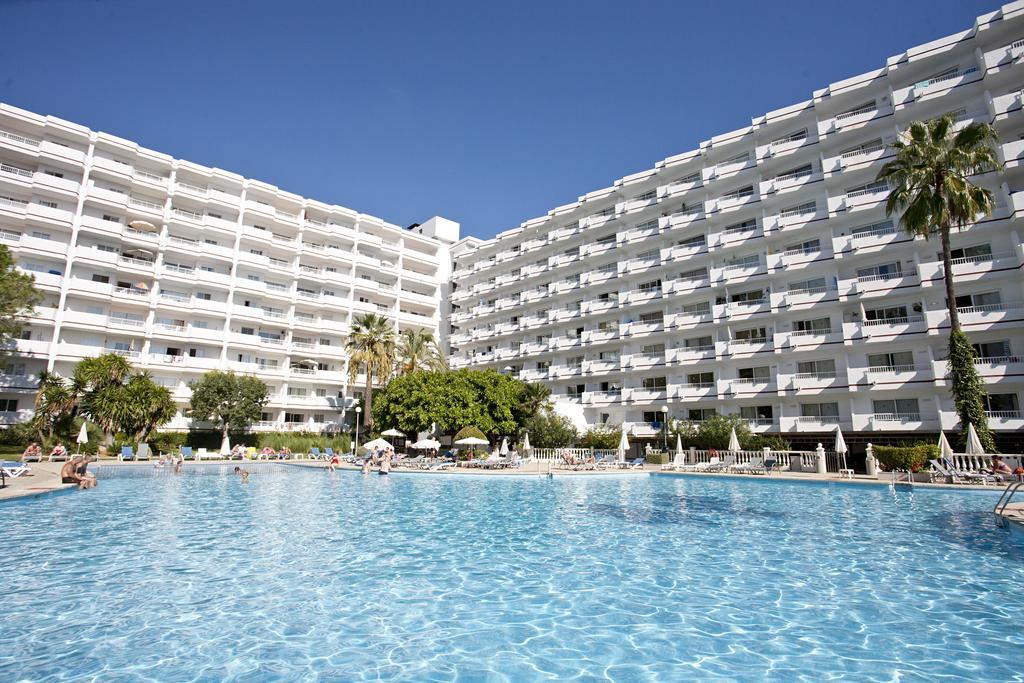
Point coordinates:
pixel 664 422
pixel 355 448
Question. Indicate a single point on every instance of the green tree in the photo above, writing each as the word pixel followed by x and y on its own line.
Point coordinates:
pixel 452 400
pixel 94 384
pixel 548 429
pixel 930 181
pixel 18 297
pixel 602 436
pixel 536 398
pixel 55 402
pixel 232 402
pixel 150 405
pixel 417 350
pixel 371 347
pixel 713 432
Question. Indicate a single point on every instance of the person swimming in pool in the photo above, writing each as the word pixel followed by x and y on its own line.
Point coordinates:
pixel 385 465
pixel 179 466
pixel 243 473
pixel 366 466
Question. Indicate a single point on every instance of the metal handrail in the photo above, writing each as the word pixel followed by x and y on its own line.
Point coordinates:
pixel 1004 500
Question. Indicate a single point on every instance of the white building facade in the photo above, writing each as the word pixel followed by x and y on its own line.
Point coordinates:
pixel 759 275
pixel 185 269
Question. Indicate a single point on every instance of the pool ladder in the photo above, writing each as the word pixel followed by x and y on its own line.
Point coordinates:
pixel 909 483
pixel 1004 500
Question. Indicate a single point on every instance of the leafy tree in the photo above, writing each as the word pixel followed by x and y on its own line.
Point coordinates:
pixel 602 436
pixel 370 346
pixel 18 297
pixel 150 405
pixel 548 429
pixel 230 401
pixel 417 350
pixel 930 180
pixel 452 400
pixel 713 432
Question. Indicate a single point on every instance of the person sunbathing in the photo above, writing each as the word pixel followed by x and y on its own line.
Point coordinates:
pixel 58 451
pixel 32 451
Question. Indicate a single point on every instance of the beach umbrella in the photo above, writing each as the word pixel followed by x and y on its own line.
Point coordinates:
pixel 840 447
pixel 473 441
pixel 379 444
pixel 427 444
pixel 504 447
pixel 83 437
pixel 526 442
pixel 225 446
pixel 393 432
pixel 734 443
pixel 679 449
pixel 974 446
pixel 945 450
pixel 623 446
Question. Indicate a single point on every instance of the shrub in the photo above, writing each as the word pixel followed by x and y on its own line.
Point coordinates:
pixel 656 458
pixel 910 457
pixel 602 436
pixel 547 429
pixel 772 441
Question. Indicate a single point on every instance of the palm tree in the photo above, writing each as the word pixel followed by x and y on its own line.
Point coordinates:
pixel 370 346
pixel 96 383
pixel 417 350
pixel 930 181
pixel 54 400
pixel 535 398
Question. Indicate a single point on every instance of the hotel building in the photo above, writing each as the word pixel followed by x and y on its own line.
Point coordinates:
pixel 184 269
pixel 758 275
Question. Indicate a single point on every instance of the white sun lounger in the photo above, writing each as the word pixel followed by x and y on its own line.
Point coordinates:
pixel 14 469
pixel 755 466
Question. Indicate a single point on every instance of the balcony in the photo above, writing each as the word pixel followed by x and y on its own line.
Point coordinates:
pixel 685 319
pixel 871 286
pixel 639 296
pixel 602 397
pixel 640 264
pixel 641 329
pixel 807 340
pixel 689 354
pixel 600 306
pixel 599 336
pixel 684 285
pixel 641 395
pixel 601 365
pixel 737 310
pixel 595 277
pixel 933 272
pixel 533 375
pixel 692 391
pixel 882 329
pixel 639 361
pixel 683 218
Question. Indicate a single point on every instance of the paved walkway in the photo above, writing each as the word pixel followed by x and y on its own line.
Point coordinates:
pixel 43 478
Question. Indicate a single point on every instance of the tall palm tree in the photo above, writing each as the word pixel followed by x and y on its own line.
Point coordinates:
pixel 54 400
pixel 931 184
pixel 370 346
pixel 417 350
pixel 535 398
pixel 95 383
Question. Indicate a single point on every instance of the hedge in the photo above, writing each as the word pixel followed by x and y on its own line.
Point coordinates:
pixel 298 442
pixel 910 457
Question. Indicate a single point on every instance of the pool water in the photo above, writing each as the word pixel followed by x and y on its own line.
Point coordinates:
pixel 307 575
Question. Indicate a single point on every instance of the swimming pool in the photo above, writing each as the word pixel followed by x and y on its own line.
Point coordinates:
pixel 304 575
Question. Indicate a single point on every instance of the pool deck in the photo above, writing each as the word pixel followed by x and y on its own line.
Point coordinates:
pixel 43 478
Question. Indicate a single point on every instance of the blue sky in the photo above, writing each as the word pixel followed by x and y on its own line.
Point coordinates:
pixel 482 112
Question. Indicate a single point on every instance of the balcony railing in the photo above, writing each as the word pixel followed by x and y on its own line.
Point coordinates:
pixel 998 360
pixel 1003 414
pixel 14 170
pixel 862 151
pixel 946 77
pixel 879 277
pixel 871 108
pixel 25 140
pixel 890 369
pixel 897 320
pixel 823 374
pixel 897 417
pixel 988 308
pixel 818 419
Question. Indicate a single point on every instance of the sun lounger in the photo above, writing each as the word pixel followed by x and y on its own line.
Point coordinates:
pixel 970 477
pixel 144 452
pixel 755 466
pixel 14 469
pixel 495 463
pixel 186 453
pixel 35 457
pixel 724 465
pixel 442 465
pixel 708 466
pixel 635 463
pixel 328 453
pixel 677 462
pixel 127 453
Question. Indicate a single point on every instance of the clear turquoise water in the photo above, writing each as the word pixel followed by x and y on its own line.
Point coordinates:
pixel 305 575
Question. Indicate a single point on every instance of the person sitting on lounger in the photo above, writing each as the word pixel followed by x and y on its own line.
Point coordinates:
pixel 268 452
pixel 238 452
pixel 33 451
pixel 59 451
pixel 284 453
pixel 243 473
pixel 1000 467
pixel 69 474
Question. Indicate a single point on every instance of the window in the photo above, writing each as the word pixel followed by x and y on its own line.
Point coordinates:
pixel 1002 405
pixel 761 372
pixel 697 241
pixel 111 219
pixel 814 326
pixel 656 317
pixel 204 296
pixel 695 274
pixel 896 409
pixel 753 335
pixel 890 314
pixel 105 279
pixel 742 157
pixel 652 350
pixel 296 391
pixel 745 226
pixel 699 343
pixel 791 137
pixel 825 411
pixel 320 393
pixel 979 252
pixel 652 286
pixel 875 229
pixel 799 172
pixel 818 369
pixel 650 194
pixel 324 341
pixel 248 330
pixel 700 380
pixel 897 360
pixel 751 260
pixel 808 247
pixel 8 405
pixel 997 349
pixel 799 209
pixel 752 296
pixel 575 391
pixel 983 299
pixel 760 414
pixel 700 414
pixel 739 193
pixel 697 308
pixel 885 271
pixel 653 383
pixel 294 417
pixel 692 178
